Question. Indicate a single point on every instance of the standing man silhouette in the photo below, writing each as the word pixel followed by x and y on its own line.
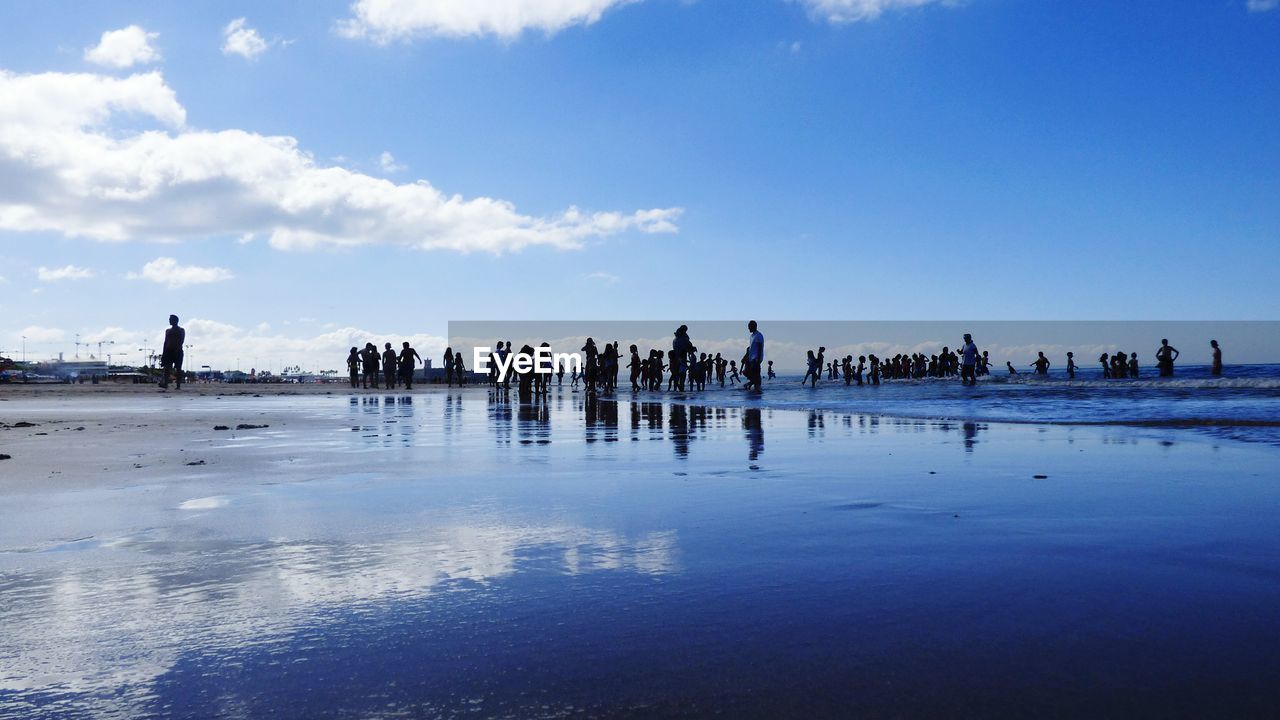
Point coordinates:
pixel 171 356
pixel 409 359
pixel 968 361
pixel 754 358
pixel 1165 357
pixel 389 365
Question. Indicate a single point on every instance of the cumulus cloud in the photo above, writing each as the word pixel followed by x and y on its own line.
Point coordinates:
pixel 384 21
pixel 849 11
pixel 124 48
pixel 1262 5
pixel 604 277
pixel 69 272
pixel 388 163
pixel 166 271
pixel 66 168
pixel 240 39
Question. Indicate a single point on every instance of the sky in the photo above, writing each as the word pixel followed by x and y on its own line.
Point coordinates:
pixel 292 178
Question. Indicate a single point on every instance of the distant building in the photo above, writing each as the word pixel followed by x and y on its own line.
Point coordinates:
pixel 72 369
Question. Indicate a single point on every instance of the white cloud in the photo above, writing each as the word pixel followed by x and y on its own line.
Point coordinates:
pixel 220 344
pixel 166 271
pixel 1262 5
pixel 37 334
pixel 124 48
pixel 65 168
pixel 388 163
pixel 604 277
pixel 384 21
pixel 242 40
pixel 69 272
pixel 849 11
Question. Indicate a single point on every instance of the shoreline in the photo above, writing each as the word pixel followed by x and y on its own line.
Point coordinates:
pixel 729 397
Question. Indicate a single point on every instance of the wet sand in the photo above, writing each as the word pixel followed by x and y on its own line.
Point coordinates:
pixel 441 554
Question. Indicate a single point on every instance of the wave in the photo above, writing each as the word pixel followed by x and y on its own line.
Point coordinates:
pixel 1238 383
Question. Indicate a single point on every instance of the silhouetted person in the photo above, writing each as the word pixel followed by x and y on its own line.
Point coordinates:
pixel 1071 365
pixel 811 362
pixel 681 347
pixel 353 366
pixel 448 366
pixel 171 355
pixel 459 369
pixel 1105 359
pixel 1216 367
pixel 1041 364
pixel 524 387
pixel 1165 357
pixel 636 365
pixel 591 364
pixel 968 361
pixel 755 358
pixel 1008 364
pixel 1133 365
pixel 389 367
pixel 369 363
pixel 409 359
pixel 772 374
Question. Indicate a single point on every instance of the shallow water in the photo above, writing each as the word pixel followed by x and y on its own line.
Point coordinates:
pixel 457 555
pixel 1244 405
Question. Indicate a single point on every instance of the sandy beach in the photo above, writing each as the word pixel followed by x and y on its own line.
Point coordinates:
pixel 442 553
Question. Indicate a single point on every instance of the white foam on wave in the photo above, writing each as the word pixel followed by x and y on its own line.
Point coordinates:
pixel 206 503
pixel 1225 383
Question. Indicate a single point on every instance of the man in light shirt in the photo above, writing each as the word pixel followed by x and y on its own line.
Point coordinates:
pixel 968 361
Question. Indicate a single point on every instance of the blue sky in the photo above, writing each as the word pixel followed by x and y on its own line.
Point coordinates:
pixel 812 159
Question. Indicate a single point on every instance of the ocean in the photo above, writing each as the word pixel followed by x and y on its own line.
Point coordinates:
pixel 1243 405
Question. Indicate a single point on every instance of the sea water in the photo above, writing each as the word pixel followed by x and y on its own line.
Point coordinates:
pixel 433 555
pixel 1243 404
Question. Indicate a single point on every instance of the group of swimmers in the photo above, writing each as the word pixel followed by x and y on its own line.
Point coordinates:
pixel 683 367
pixel 367 366
pixel 969 364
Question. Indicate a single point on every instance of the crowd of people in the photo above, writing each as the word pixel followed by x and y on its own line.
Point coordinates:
pixel 684 368
pixel 366 367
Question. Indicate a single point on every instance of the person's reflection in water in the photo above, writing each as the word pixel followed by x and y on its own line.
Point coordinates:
pixel 970 436
pixel 698 419
pixel 405 426
pixel 679 425
pixel 452 413
pixel 652 412
pixel 533 424
pixel 591 416
pixel 755 435
pixel 500 415
pixel 816 423
pixel 608 414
